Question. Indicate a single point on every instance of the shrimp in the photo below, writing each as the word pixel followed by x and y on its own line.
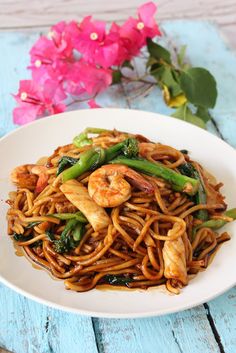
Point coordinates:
pixel 108 188
pixel 30 176
pixel 78 195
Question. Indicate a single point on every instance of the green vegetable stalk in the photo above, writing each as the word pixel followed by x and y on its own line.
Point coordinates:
pixel 65 216
pixel 217 223
pixel 82 139
pixel 200 197
pixel 65 162
pixel 95 157
pixel 89 160
pixel 179 182
pixel 70 237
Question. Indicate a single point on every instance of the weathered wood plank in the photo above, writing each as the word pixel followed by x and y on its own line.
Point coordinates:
pixel 28 327
pixel 14 60
pixel 21 13
pixel 188 331
pixel 223 312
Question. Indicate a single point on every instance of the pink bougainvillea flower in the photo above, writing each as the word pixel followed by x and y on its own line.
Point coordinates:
pixel 92 33
pixel 92 104
pixel 94 80
pixel 52 96
pixel 72 83
pixel 78 59
pixel 35 100
pixel 134 32
pixel 95 45
pixel 63 35
pixel 26 113
pixel 146 14
pixel 51 56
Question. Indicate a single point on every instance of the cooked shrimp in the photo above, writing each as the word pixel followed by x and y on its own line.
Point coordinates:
pixel 78 195
pixel 22 177
pixel 31 176
pixel 108 188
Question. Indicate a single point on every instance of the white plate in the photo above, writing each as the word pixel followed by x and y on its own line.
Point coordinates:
pixel 27 144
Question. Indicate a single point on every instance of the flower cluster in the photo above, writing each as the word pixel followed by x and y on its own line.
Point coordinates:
pixel 77 60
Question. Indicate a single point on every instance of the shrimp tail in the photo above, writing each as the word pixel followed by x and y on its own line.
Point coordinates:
pixel 139 181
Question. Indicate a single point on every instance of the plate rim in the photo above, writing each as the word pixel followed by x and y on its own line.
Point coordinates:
pixel 99 314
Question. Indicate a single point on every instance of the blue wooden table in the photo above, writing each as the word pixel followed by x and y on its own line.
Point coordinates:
pixel 28 327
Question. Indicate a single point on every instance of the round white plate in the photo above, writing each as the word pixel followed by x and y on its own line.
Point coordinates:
pixel 27 144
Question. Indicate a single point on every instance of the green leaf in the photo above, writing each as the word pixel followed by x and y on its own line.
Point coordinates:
pixel 169 80
pixel 22 237
pixel 151 61
pixel 184 113
pixel 32 225
pixel 116 76
pixel 181 55
pixel 158 52
pixel 165 76
pixel 203 113
pixel 66 162
pixel 50 235
pixel 199 87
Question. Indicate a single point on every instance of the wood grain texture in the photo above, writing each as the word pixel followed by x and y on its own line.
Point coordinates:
pixel 188 331
pixel 223 310
pixel 28 327
pixel 25 14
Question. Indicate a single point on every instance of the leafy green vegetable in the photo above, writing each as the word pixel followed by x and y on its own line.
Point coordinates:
pixel 117 280
pixel 32 225
pixel 200 197
pixel 95 157
pixel 217 223
pixel 96 130
pixel 184 151
pixel 70 237
pixel 50 235
pixel 178 181
pixel 199 87
pixel 89 160
pixel 82 140
pixel 65 162
pixel 65 216
pixel 22 237
pixel 78 232
pixel 36 244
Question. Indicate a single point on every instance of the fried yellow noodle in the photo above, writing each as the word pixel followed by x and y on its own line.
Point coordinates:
pixel 135 229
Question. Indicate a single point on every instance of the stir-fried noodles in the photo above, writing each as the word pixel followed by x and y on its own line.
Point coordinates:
pixel 114 208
